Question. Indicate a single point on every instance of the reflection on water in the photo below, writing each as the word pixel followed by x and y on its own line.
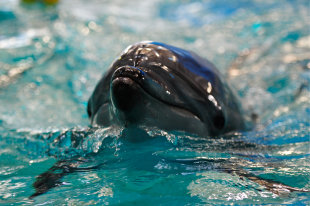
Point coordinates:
pixel 51 57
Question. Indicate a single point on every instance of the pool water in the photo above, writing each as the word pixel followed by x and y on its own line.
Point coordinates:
pixel 51 58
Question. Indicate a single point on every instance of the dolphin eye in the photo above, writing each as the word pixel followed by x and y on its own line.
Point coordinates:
pixel 219 121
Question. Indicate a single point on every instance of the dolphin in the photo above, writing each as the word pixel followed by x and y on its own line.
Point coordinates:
pixel 153 84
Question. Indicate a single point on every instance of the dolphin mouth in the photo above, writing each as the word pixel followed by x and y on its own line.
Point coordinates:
pixel 127 83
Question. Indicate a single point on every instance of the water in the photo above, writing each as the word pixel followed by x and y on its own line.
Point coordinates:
pixel 52 57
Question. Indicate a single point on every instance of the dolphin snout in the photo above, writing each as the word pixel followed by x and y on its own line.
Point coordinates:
pixel 131 72
pixel 125 88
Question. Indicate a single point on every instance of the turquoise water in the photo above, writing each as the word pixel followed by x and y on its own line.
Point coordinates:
pixel 52 57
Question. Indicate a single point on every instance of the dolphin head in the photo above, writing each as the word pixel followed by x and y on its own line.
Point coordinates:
pixel 158 85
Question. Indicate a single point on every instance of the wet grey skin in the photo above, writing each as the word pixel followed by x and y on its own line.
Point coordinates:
pixel 157 85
